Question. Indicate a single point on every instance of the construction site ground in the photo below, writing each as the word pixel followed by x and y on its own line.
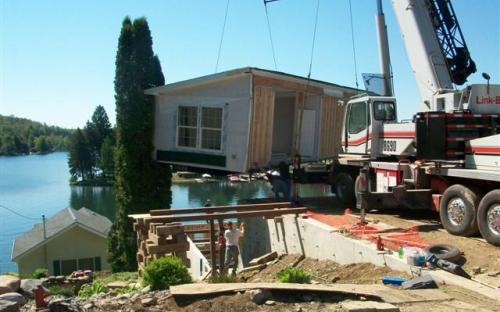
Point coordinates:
pixel 479 257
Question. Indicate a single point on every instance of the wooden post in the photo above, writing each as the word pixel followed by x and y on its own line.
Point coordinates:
pixel 222 245
pixel 212 248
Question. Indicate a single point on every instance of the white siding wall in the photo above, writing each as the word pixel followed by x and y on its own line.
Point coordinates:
pixel 233 95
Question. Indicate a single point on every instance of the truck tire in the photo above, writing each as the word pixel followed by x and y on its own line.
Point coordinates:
pixel 458 210
pixel 344 188
pixel 488 217
pixel 444 252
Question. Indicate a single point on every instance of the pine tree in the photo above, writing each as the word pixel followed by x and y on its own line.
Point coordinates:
pixel 80 160
pixel 140 184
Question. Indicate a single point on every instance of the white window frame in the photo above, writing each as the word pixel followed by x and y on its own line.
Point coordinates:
pixel 199 129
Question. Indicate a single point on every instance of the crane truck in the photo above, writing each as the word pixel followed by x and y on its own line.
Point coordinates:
pixel 448 157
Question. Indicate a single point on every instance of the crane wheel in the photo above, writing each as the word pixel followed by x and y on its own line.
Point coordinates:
pixel 458 210
pixel 488 217
pixel 344 188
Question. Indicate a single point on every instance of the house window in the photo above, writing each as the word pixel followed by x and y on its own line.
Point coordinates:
pixel 211 128
pixel 86 264
pixel 200 127
pixel 66 267
pixel 188 126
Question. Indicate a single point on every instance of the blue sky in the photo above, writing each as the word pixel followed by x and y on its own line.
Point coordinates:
pixel 57 57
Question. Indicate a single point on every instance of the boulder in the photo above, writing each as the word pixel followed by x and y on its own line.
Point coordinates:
pixel 11 301
pixel 259 296
pixel 9 284
pixel 64 305
pixel 28 287
pixel 117 284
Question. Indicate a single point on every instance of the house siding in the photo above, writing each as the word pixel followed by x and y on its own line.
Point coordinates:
pixel 234 96
pixel 75 243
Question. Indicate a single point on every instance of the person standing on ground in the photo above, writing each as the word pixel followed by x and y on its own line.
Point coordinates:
pixel 232 237
pixel 296 177
pixel 284 171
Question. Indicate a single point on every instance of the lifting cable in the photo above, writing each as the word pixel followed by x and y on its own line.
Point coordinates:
pixel 353 46
pixel 300 108
pixel 270 33
pixel 222 37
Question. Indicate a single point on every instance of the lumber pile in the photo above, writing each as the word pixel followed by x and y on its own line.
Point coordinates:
pixel 155 240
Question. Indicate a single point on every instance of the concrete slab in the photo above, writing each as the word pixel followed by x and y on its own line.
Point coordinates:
pixel 452 279
pixel 368 306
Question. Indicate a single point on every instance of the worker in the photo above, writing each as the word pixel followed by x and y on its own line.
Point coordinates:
pixel 297 173
pixel 279 185
pixel 232 237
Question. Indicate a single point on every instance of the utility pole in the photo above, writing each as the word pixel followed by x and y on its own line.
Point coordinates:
pixel 44 245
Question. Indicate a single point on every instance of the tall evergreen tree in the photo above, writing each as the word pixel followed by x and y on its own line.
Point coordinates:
pixel 80 159
pixel 140 184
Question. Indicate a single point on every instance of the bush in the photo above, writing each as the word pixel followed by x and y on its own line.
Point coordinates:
pixel 222 278
pixel 89 290
pixel 164 272
pixel 40 273
pixel 62 291
pixel 294 275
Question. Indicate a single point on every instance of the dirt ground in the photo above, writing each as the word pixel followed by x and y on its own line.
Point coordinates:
pixel 476 251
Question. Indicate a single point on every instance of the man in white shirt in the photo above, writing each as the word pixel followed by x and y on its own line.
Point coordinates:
pixel 232 237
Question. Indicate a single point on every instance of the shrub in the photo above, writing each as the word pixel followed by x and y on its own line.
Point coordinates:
pixel 164 272
pixel 294 275
pixel 62 291
pixel 89 290
pixel 222 278
pixel 40 273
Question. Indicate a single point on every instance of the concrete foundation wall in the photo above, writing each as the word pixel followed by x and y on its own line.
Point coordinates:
pixel 199 264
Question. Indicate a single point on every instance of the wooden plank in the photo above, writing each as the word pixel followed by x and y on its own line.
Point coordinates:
pixel 231 215
pixel 265 206
pixel 222 246
pixel 261 125
pixel 381 292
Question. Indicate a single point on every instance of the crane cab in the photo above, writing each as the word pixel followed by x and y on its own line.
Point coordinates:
pixel 370 128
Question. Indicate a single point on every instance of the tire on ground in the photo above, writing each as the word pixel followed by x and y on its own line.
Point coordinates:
pixel 344 188
pixel 459 195
pixel 444 252
pixel 488 217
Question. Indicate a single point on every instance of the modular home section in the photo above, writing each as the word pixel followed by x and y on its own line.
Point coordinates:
pixel 246 117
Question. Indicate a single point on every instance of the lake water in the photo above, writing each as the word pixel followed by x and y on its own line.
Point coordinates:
pixel 38 185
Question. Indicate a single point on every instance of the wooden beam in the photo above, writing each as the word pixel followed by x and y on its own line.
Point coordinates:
pixel 253 207
pixel 212 248
pixel 230 215
pixel 293 86
pixel 222 246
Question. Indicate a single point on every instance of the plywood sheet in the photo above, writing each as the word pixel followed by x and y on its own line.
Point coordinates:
pixel 331 127
pixel 261 126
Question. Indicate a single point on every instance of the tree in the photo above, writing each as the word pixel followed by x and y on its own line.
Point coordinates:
pixel 41 144
pixel 80 159
pixel 140 184
pixel 106 159
pixel 99 126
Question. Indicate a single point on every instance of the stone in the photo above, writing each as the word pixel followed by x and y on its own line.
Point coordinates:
pixel 146 289
pixel 270 302
pixel 14 297
pixel 8 306
pixel 117 285
pixel 9 284
pixel 28 287
pixel 368 306
pixel 64 305
pixel 259 296
pixel 494 273
pixel 476 270
pixel 88 306
pixel 146 302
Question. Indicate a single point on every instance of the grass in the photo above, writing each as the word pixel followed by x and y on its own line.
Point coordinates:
pixel 222 278
pixel 294 275
pixel 62 291
pixel 121 276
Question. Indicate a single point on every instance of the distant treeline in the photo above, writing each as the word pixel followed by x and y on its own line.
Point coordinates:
pixel 21 136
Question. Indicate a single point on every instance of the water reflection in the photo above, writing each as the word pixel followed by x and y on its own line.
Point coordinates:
pixel 98 199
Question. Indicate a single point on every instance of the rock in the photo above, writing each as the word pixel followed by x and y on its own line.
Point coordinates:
pixel 13 297
pixel 64 305
pixel 9 284
pixel 494 273
pixel 368 306
pixel 28 287
pixel 146 289
pixel 263 259
pixel 134 297
pixel 146 302
pixel 476 270
pixel 259 296
pixel 8 306
pixel 270 302
pixel 88 306
pixel 117 285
